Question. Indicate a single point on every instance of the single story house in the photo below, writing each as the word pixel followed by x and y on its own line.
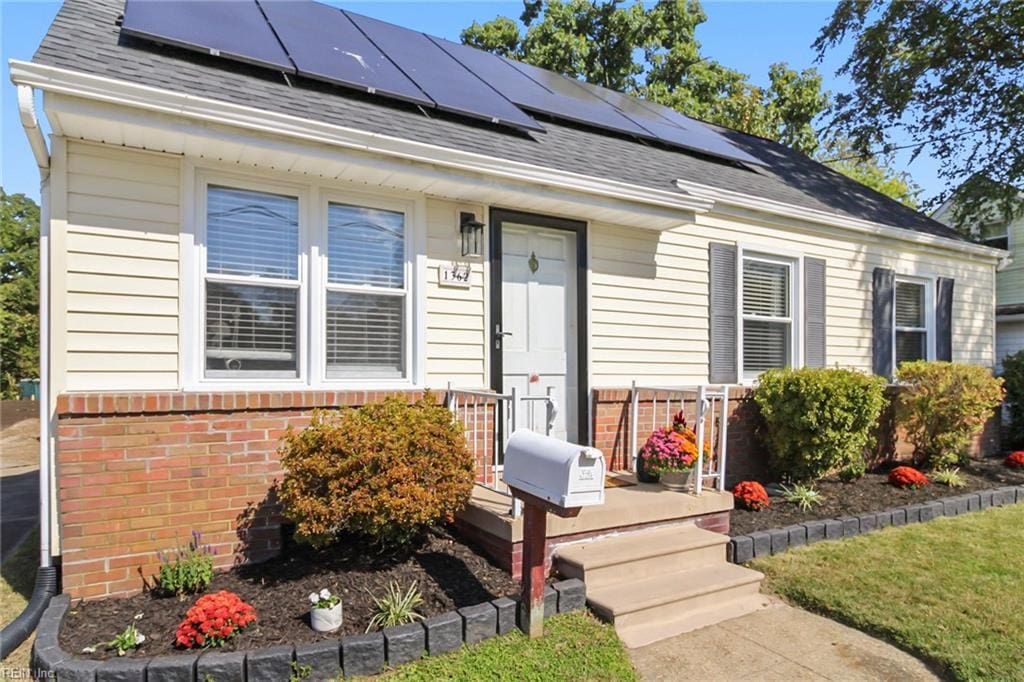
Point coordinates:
pixel 234 234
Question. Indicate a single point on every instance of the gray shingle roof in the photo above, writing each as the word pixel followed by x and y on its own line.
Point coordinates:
pixel 84 37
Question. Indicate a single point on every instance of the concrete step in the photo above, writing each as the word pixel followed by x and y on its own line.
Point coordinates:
pixel 660 551
pixel 648 609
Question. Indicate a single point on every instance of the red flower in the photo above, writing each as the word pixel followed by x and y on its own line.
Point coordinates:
pixel 751 495
pixel 1015 460
pixel 907 477
pixel 214 619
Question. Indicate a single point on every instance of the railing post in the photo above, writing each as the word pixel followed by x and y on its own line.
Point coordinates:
pixel 634 413
pixel 723 437
pixel 550 411
pixel 698 484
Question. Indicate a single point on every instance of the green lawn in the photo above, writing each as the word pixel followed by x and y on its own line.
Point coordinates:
pixel 950 591
pixel 575 646
pixel 17 580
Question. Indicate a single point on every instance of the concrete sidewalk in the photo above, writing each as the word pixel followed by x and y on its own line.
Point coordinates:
pixel 777 643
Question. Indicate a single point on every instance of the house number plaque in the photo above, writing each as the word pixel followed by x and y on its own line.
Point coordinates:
pixel 454 275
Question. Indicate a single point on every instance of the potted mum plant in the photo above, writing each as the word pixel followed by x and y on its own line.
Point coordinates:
pixel 671 453
pixel 325 615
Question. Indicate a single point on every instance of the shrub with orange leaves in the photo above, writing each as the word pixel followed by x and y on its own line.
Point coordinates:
pixel 1015 460
pixel 213 620
pixel 385 470
pixel 751 495
pixel 907 477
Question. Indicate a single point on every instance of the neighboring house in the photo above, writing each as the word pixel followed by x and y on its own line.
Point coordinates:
pixel 1008 235
pixel 228 245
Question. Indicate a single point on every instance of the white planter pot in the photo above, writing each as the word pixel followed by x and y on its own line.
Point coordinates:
pixel 676 481
pixel 326 620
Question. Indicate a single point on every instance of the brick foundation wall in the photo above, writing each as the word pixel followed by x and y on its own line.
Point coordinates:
pixel 137 473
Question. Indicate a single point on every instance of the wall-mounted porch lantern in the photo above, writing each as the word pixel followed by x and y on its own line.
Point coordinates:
pixel 472 231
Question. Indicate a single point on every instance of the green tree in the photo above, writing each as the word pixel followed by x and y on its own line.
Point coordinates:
pixel 873 171
pixel 948 75
pixel 19 291
pixel 654 53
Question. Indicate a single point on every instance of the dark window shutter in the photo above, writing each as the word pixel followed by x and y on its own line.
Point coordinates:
pixel 722 297
pixel 814 312
pixel 881 316
pixel 944 319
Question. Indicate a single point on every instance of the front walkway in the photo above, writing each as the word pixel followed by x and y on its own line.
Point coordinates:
pixel 777 643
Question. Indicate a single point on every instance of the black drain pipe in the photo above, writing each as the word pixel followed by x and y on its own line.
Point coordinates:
pixel 18 630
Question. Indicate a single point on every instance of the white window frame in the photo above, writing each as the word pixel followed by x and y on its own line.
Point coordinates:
pixel 319 304
pixel 794 261
pixel 313 201
pixel 929 315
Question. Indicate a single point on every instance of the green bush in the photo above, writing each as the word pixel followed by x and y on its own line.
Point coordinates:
pixel 186 570
pixel 942 405
pixel 818 421
pixel 1013 382
pixel 385 470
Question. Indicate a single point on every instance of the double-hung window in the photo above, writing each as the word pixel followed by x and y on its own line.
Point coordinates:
pixel 252 284
pixel 766 305
pixel 366 298
pixel 912 321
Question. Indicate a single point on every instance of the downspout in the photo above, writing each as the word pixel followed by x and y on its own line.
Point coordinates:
pixel 18 630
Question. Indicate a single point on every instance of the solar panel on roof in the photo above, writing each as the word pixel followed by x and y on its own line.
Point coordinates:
pixel 669 126
pixel 442 78
pixel 229 29
pixel 325 44
pixel 566 100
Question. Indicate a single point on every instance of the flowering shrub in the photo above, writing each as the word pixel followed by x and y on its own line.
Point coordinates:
pixel 1015 460
pixel 672 448
pixel 751 495
pixel 907 477
pixel 386 471
pixel 186 570
pixel 213 620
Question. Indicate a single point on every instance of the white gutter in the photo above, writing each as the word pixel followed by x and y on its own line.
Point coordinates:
pixel 123 93
pixel 29 121
pixel 749 202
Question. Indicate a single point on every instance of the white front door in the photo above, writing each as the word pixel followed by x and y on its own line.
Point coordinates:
pixel 538 323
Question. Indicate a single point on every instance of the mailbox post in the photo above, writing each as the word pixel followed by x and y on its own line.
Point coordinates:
pixel 548 475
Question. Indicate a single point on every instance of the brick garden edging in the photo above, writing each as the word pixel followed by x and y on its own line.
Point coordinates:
pixel 762 543
pixel 351 655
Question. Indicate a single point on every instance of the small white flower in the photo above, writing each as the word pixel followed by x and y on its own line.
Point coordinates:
pixel 139 638
pixel 89 650
pixel 313 597
pixel 138 616
pixel 325 593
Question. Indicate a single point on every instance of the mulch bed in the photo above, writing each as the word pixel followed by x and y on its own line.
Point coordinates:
pixel 449 574
pixel 871 493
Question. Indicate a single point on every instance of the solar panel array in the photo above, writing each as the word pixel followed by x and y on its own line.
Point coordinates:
pixel 344 48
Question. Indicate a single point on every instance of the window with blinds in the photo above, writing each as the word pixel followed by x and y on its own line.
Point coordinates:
pixel 767 314
pixel 911 322
pixel 252 283
pixel 366 292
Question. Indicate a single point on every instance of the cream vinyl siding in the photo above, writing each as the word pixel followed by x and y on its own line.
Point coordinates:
pixel 120 289
pixel 1010 280
pixel 455 320
pixel 650 295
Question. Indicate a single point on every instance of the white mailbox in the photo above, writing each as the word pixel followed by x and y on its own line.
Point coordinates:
pixel 561 473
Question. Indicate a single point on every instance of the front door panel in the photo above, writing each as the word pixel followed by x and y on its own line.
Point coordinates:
pixel 538 321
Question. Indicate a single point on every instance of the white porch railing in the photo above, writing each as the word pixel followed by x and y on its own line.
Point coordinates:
pixel 707 407
pixel 489 418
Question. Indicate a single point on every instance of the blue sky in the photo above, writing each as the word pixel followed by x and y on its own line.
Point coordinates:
pixel 748 36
